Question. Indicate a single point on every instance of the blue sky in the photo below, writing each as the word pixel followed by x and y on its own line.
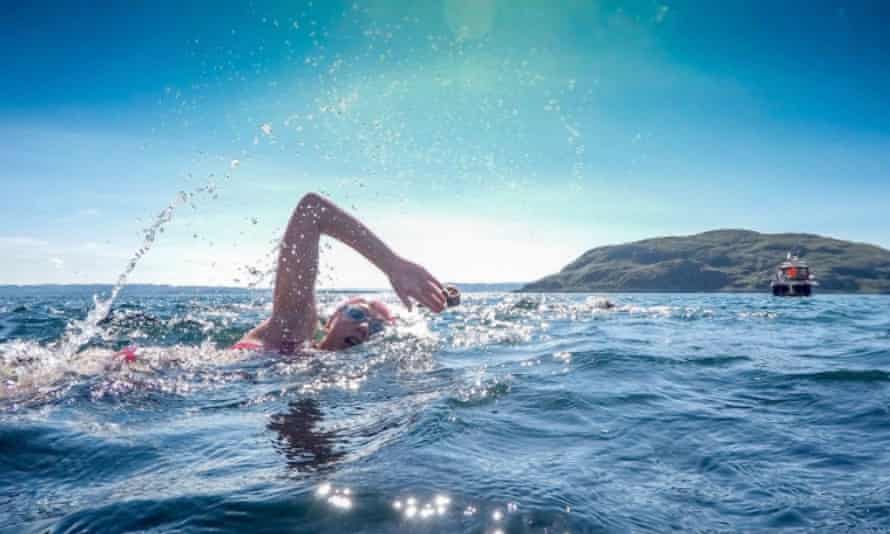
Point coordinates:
pixel 489 140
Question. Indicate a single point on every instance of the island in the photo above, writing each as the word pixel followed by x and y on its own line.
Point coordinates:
pixel 720 261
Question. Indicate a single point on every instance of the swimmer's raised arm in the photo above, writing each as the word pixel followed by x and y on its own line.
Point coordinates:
pixel 294 316
pixel 293 310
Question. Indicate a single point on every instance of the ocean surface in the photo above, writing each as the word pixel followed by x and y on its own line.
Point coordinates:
pixel 510 413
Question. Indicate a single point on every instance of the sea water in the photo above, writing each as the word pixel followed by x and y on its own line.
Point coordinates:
pixel 510 413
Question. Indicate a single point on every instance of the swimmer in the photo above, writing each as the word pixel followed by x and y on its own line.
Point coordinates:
pixel 294 322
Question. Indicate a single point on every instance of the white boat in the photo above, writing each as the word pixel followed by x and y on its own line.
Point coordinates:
pixel 793 278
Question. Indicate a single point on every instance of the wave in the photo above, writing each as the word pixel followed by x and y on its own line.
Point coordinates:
pixel 842 375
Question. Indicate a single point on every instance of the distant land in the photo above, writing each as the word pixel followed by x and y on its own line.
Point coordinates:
pixel 164 289
pixel 481 287
pixel 721 260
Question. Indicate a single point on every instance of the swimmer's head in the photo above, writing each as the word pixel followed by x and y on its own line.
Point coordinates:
pixel 354 322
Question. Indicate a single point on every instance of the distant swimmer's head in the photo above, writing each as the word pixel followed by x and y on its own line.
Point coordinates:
pixel 354 322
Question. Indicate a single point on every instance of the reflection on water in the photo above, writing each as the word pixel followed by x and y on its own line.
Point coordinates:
pixel 306 446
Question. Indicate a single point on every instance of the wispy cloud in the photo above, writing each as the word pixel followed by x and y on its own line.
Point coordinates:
pixel 22 241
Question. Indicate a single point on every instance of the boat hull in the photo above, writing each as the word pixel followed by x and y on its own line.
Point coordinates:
pixel 792 290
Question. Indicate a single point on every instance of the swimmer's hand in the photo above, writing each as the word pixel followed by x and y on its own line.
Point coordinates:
pixel 411 281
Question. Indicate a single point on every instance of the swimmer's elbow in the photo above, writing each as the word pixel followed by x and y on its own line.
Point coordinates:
pixel 308 210
pixel 310 201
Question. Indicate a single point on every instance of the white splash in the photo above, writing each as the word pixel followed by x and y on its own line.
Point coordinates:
pixel 80 332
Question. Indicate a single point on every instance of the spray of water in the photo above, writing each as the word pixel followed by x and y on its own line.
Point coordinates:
pixel 78 333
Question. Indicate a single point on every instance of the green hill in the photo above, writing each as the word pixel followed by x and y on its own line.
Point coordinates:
pixel 721 260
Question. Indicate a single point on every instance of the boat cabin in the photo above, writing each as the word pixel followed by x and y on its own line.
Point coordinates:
pixel 795 271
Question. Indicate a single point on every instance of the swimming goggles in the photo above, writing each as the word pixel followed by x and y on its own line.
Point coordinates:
pixel 359 314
